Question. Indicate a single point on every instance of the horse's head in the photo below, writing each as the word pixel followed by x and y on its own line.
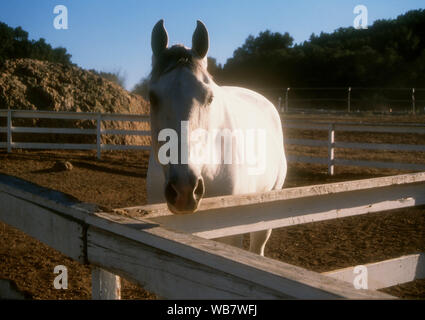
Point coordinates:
pixel 180 96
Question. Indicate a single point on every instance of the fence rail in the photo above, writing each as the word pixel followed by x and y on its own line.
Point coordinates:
pixel 238 214
pixel 160 250
pixel 98 117
pixel 331 144
pixel 149 252
pixel 169 263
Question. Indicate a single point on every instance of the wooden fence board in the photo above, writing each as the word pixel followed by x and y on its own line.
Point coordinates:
pixel 157 210
pixel 192 254
pixel 386 273
pixel 235 220
pixel 62 234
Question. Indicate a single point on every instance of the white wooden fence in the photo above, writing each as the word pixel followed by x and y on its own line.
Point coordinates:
pixel 331 144
pixel 331 161
pixel 172 256
pixel 98 117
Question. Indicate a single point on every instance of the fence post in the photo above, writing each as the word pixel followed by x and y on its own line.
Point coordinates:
pixel 331 149
pixel 9 131
pixel 105 285
pixel 279 104
pixel 98 135
pixel 349 100
pixel 413 101
pixel 286 99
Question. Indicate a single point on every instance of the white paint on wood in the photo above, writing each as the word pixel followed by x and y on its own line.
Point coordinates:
pixel 122 245
pixel 383 165
pixel 356 145
pixel 166 274
pixel 381 146
pixel 58 232
pixel 235 220
pixel 386 273
pixel 125 117
pixel 63 204
pixel 419 129
pixel 38 114
pixel 127 132
pixel 105 285
pixel 124 147
pixel 53 130
pixel 380 128
pixel 331 150
pixel 58 146
pixel 125 251
pixel 9 131
pixel 77 115
pixel 156 210
pixel 355 127
pixel 98 135
pixel 357 163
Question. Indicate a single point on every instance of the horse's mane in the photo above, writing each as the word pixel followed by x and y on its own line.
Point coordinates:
pixel 171 58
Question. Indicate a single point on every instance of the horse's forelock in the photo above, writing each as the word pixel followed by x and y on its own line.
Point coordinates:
pixel 176 56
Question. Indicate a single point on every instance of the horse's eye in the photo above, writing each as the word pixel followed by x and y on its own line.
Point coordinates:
pixel 153 99
pixel 210 99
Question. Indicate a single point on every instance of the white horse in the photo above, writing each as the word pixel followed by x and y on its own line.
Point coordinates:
pixel 183 96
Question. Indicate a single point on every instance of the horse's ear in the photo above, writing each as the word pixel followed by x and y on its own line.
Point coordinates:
pixel 159 39
pixel 200 42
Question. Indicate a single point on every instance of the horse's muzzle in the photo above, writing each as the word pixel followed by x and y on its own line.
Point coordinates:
pixel 184 198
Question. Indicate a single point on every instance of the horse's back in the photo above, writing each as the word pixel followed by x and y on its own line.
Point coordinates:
pixel 251 110
pixel 254 107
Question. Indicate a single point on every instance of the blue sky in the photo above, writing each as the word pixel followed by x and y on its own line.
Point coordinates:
pixel 115 35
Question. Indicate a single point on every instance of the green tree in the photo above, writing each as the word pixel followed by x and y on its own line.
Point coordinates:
pixel 388 53
pixel 14 43
pixel 214 68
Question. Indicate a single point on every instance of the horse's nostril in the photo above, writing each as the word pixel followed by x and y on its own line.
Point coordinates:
pixel 171 193
pixel 199 189
pixel 184 198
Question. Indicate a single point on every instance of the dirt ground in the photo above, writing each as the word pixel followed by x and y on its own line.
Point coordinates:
pixel 118 180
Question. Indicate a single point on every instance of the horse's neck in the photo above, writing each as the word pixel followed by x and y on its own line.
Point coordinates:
pixel 219 117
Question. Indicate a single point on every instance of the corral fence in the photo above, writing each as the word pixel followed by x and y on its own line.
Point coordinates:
pixel 173 255
pixel 9 129
pixel 347 100
pixel 331 144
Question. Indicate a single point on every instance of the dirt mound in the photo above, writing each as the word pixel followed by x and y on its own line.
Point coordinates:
pixel 27 84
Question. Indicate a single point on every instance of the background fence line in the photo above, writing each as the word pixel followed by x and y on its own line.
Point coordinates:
pixel 348 99
pixel 331 144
